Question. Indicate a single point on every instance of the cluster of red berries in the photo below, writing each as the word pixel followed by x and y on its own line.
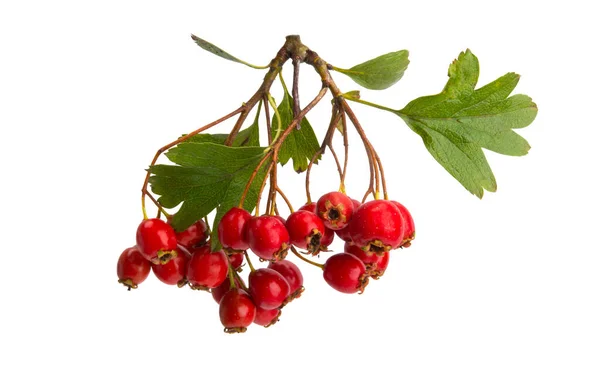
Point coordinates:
pixel 370 231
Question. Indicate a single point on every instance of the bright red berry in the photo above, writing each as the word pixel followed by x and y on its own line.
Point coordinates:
pixel 237 311
pixel 236 260
pixel 377 226
pixel 156 241
pixel 268 288
pixel 222 289
pixel 268 237
pixel 345 272
pixel 231 229
pixel 306 230
pixel 267 317
pixel 409 228
pixel 132 268
pixel 173 272
pixel 375 265
pixel 344 233
pixel 335 208
pixel 328 235
pixel 292 274
pixel 311 207
pixel 207 269
pixel 194 236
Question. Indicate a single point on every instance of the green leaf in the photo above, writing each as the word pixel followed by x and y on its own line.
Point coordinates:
pixel 300 145
pixel 210 47
pixel 456 123
pixel 248 137
pixel 379 73
pixel 207 176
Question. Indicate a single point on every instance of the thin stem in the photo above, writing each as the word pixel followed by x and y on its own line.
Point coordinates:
pixel 248 261
pixel 295 95
pixel 295 252
pixel 345 134
pixel 337 163
pixel 277 117
pixel 160 207
pixel 262 187
pixel 370 104
pixel 251 179
pixel 268 118
pixel 240 280
pixel 232 284
pixel 290 206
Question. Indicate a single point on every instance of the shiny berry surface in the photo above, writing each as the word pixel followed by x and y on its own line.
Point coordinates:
pixel 156 240
pixel 231 229
pixel 409 225
pixel 335 209
pixel 377 226
pixel 267 317
pixel 306 230
pixel 345 273
pixel 268 238
pixel 236 311
pixel 236 260
pixel 344 233
pixel 269 289
pixel 195 235
pixel 175 271
pixel 291 273
pixel 207 269
pixel 220 291
pixel 132 268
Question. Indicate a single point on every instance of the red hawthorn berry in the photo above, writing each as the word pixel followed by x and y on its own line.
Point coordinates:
pixel 236 311
pixel 173 272
pixel 156 240
pixel 335 209
pixel 207 269
pixel 409 228
pixel 292 274
pixel 311 207
pixel 236 260
pixel 195 235
pixel 132 268
pixel 377 226
pixel 220 291
pixel 344 233
pixel 306 231
pixel 375 265
pixel 345 272
pixel 268 288
pixel 267 317
pixel 268 238
pixel 231 230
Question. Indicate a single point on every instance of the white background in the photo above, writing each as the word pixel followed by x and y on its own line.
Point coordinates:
pixel 502 290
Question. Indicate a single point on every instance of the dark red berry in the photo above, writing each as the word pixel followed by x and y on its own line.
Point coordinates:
pixel 335 209
pixel 345 272
pixel 267 317
pixel 207 269
pixel 292 274
pixel 231 229
pixel 132 268
pixel 237 311
pixel 268 237
pixel 306 230
pixel 194 236
pixel 327 238
pixel 222 289
pixel 344 233
pixel 156 241
pixel 409 225
pixel 236 260
pixel 311 207
pixel 173 272
pixel 375 265
pixel 268 288
pixel 377 226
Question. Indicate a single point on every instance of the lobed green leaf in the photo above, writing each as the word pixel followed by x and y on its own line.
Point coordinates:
pixel 381 72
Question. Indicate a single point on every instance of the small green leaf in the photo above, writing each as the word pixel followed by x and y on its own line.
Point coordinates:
pixel 210 47
pixel 207 176
pixel 379 73
pixel 456 123
pixel 300 145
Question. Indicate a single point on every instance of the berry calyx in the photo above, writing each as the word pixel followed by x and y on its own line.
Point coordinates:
pixel 409 227
pixel 306 230
pixel 193 236
pixel 132 268
pixel 345 272
pixel 268 238
pixel 267 317
pixel 335 209
pixel 375 265
pixel 231 230
pixel 292 274
pixel 344 233
pixel 174 272
pixel 207 269
pixel 236 311
pixel 156 240
pixel 268 288
pixel 377 226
